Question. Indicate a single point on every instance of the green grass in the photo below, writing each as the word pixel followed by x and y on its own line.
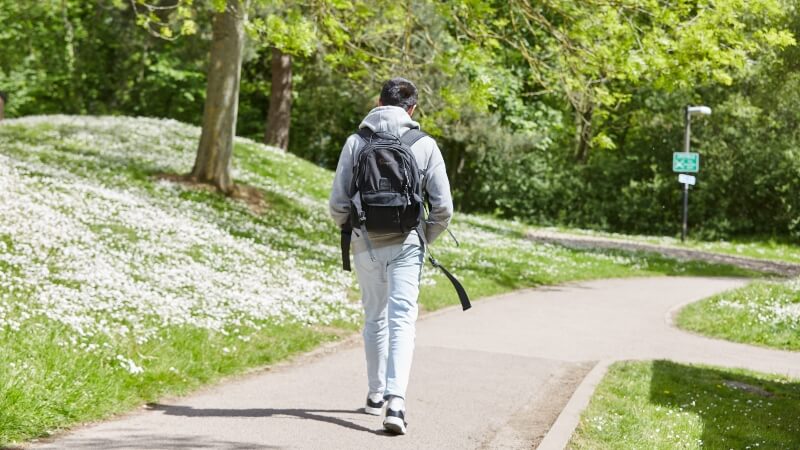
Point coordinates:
pixel 46 386
pixel 767 248
pixel 53 376
pixel 665 405
pixel 762 313
pixel 521 264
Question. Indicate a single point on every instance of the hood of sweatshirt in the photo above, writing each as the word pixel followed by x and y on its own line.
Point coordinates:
pixel 389 119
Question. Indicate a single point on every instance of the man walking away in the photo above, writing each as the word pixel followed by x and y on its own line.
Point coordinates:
pixel 388 265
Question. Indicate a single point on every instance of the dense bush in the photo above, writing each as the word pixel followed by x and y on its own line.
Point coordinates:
pixel 91 58
pixel 748 184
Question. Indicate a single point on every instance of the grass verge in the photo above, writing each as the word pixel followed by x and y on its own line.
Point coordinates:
pixel 665 405
pixel 768 248
pixel 762 313
pixel 46 386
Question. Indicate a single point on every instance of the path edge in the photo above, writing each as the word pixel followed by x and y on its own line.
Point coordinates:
pixel 562 429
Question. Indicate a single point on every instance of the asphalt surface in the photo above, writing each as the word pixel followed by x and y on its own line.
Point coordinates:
pixel 496 376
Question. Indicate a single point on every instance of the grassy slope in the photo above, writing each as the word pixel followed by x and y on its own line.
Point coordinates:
pixel 764 313
pixel 117 288
pixel 665 405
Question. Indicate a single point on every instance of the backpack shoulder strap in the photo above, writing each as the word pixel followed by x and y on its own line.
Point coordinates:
pixel 365 134
pixel 411 136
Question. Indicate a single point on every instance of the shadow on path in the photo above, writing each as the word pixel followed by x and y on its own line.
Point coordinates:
pixel 306 414
pixel 132 439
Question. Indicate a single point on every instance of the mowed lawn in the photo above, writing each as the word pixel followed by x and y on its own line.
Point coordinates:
pixel 666 405
pixel 118 286
pixel 765 313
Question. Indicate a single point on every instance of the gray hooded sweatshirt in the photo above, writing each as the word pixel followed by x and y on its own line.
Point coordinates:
pixel 394 120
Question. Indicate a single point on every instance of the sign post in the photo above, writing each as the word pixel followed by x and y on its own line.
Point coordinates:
pixel 687 161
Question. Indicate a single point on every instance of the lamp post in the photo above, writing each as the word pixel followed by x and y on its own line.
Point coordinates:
pixel 689 111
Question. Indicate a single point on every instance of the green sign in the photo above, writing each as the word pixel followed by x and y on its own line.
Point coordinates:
pixel 685 162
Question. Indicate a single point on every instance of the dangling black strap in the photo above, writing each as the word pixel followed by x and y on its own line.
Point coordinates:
pixel 463 297
pixel 462 294
pixel 347 233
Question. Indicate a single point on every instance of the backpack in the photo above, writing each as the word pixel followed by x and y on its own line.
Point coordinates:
pixel 386 189
pixel 386 194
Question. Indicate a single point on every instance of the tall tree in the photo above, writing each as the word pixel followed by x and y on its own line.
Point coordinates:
pixel 280 101
pixel 289 29
pixel 283 30
pixel 213 162
pixel 290 32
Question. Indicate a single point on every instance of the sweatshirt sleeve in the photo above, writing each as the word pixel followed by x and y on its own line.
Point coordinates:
pixel 438 188
pixel 339 202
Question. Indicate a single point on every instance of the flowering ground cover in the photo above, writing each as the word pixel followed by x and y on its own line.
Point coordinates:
pixel 762 313
pixel 117 286
pixel 666 405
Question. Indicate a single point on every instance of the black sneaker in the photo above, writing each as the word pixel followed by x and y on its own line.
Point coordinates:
pixel 374 408
pixel 395 421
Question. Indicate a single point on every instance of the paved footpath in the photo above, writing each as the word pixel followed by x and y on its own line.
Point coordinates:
pixel 496 376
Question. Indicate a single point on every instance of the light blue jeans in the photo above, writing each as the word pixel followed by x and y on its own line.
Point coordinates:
pixel 389 291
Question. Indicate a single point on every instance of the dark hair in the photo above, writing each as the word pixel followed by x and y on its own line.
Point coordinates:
pixel 399 92
pixel 4 96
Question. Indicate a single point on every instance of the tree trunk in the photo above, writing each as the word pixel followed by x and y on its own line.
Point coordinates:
pixel 213 163
pixel 583 117
pixel 279 116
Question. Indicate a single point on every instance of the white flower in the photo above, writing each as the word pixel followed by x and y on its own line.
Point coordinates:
pixel 107 257
pixel 129 365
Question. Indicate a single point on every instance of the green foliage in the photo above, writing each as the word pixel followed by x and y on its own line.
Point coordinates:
pixel 492 168
pixel 294 34
pixel 748 181
pixel 106 65
pixel 169 22
pixel 593 53
pixel 510 90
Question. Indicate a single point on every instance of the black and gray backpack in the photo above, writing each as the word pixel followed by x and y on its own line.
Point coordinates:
pixel 386 190
pixel 386 194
